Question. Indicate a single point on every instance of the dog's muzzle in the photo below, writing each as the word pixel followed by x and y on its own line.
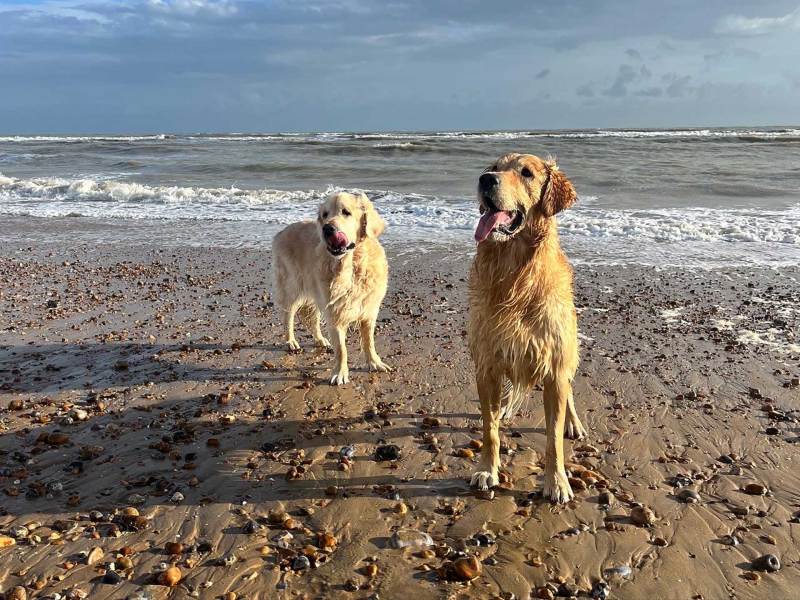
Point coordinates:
pixel 336 241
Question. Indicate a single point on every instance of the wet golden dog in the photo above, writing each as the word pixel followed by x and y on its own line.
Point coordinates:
pixel 522 322
pixel 336 268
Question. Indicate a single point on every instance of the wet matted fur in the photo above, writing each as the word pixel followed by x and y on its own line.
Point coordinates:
pixel 333 267
pixel 522 320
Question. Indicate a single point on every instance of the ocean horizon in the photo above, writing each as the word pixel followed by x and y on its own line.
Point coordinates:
pixel 651 196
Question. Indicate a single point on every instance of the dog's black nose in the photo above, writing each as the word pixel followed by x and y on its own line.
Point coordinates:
pixel 328 230
pixel 488 181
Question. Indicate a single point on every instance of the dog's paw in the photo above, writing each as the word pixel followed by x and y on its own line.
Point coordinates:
pixel 483 480
pixel 292 346
pixel 340 378
pixel 323 342
pixel 556 488
pixel 379 365
pixel 573 428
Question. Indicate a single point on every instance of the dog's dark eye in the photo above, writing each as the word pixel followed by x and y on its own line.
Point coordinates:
pixel 346 212
pixel 526 172
pixel 325 215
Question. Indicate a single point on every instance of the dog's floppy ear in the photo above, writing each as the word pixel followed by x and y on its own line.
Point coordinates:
pixel 371 223
pixel 557 193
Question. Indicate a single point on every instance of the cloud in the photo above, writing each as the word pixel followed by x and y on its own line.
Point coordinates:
pixel 218 8
pixel 651 92
pixel 677 85
pixel 739 25
pixel 625 76
pixel 192 65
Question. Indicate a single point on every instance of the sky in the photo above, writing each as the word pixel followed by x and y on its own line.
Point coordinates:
pixel 102 66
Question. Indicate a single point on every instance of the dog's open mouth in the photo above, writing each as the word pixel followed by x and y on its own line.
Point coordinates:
pixel 505 222
pixel 338 245
pixel 340 250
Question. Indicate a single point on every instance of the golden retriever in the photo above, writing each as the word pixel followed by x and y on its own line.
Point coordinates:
pixel 333 267
pixel 522 321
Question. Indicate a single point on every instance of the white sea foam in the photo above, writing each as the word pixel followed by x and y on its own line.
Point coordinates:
pixel 659 236
pixel 746 134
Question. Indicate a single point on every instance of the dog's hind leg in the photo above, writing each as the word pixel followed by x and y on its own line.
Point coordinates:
pixel 573 428
pixel 288 316
pixel 311 316
pixel 374 362
pixel 489 393
pixel 557 391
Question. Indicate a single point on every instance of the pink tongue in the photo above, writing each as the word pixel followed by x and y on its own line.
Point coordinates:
pixel 338 240
pixel 489 221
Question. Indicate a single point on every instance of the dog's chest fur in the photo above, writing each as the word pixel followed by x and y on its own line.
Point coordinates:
pixel 522 317
pixel 355 281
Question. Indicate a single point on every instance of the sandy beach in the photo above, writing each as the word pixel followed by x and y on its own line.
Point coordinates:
pixel 151 418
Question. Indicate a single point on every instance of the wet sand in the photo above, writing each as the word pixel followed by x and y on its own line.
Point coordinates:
pixel 154 382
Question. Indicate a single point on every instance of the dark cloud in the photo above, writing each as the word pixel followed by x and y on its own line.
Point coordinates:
pixel 543 73
pixel 625 76
pixel 633 53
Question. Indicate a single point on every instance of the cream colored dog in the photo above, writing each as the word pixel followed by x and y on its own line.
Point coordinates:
pixel 522 323
pixel 336 268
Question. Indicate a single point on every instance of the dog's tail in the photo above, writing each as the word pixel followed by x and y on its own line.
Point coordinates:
pixel 511 400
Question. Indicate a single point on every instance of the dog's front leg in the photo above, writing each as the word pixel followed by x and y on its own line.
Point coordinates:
pixel 341 374
pixel 374 362
pixel 489 394
pixel 557 390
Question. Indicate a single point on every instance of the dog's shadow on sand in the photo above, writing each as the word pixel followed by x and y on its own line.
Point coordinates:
pixel 188 448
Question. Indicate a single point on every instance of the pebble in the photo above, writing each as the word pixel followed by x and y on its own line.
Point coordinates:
pixel 94 555
pixel 251 527
pixel 326 541
pixel 173 548
pixel 682 481
pixel 112 578
pixel 689 496
pixel 17 593
pixel 177 498
pixel 171 577
pixel 465 453
pixel 483 539
pixel 387 452
pixel 6 541
pixel 410 538
pixel 731 540
pixel 755 489
pixel 623 571
pixel 347 452
pixel 661 542
pixel 605 497
pixel 301 563
pixel 642 516
pixel 600 591
pixel 462 569
pixel 768 562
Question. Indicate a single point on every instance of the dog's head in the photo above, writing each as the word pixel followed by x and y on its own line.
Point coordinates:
pixel 345 219
pixel 515 190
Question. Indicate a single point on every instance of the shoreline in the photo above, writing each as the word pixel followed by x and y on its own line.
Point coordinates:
pixel 166 349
